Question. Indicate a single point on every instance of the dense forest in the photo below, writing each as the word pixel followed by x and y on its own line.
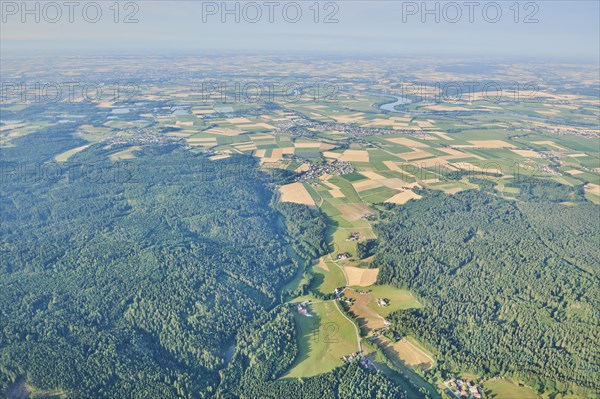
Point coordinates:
pixel 138 278
pixel 509 287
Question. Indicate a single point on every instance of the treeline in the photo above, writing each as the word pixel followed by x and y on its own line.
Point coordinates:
pixel 306 227
pixel 366 248
pixel 509 289
pixel 543 190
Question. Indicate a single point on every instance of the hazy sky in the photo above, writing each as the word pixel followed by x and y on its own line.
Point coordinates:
pixel 565 29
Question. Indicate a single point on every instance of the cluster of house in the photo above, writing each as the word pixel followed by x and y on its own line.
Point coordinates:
pixel 337 168
pixel 353 237
pixel 365 363
pixel 343 256
pixel 464 388
pixel 141 137
pixel 307 128
pixel 339 295
pixel 349 358
pixel 378 332
pixel 303 308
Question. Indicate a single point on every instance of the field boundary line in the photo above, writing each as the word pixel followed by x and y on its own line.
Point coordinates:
pixel 353 325
pixel 420 350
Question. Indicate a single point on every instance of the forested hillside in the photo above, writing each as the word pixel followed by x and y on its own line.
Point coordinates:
pixel 509 288
pixel 112 286
pixel 140 278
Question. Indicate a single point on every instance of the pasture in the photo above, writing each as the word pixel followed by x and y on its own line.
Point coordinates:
pixel 398 299
pixel 506 389
pixel 366 308
pixel 413 354
pixel 322 340
pixel 64 157
pixel 327 276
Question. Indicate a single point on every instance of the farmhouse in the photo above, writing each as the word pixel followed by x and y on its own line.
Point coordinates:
pixel 383 302
pixel 463 389
pixel 366 363
pixel 369 216
pixel 303 309
pixel 354 237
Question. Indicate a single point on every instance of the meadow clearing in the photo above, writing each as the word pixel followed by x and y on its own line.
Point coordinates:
pixel 368 320
pixel 507 389
pixel 322 340
pixel 368 311
pixel 327 276
pixel 398 299
pixel 64 157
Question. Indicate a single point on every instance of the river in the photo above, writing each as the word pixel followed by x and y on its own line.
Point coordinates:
pixel 391 107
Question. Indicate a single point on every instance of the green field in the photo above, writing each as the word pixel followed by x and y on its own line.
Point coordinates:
pixel 399 299
pixel 325 281
pixel 341 244
pixel 506 389
pixel 322 340
pixel 64 157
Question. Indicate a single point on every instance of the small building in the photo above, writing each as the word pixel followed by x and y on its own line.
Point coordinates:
pixel 369 216
pixel 354 237
pixel 383 302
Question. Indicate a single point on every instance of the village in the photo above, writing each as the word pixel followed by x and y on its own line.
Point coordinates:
pixel 336 168
pixel 304 127
pixel 463 388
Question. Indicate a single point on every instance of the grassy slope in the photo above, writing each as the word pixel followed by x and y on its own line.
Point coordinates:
pixel 322 340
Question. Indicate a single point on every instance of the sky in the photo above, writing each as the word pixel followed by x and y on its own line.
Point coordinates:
pixel 544 29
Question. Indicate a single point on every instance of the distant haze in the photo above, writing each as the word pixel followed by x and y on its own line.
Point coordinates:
pixel 565 29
